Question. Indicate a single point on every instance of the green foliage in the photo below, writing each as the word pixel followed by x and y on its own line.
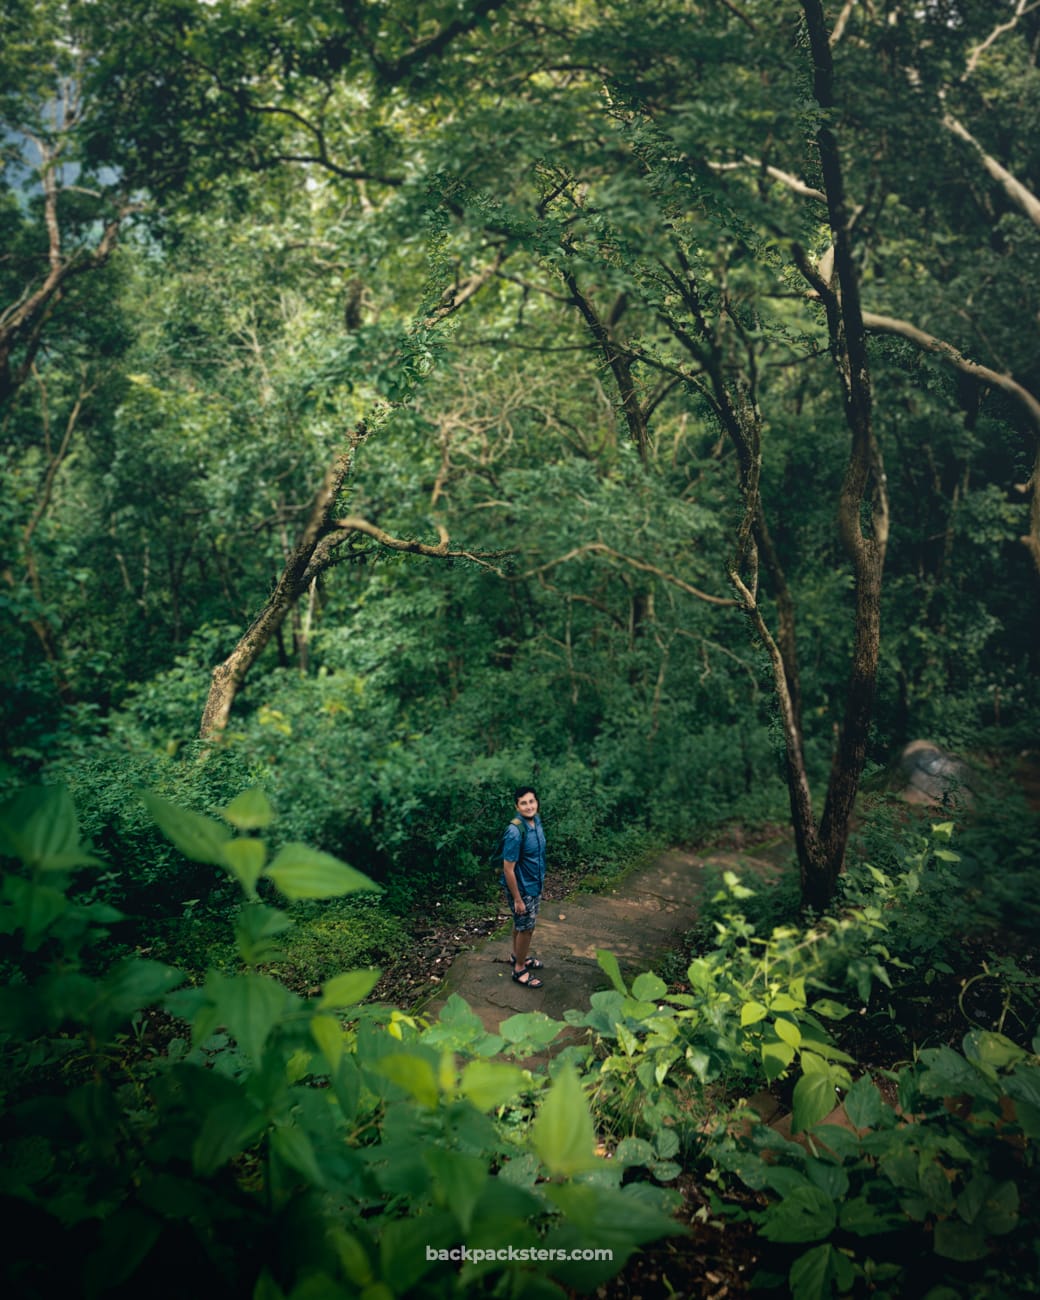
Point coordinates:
pixel 271 1145
pixel 934 1194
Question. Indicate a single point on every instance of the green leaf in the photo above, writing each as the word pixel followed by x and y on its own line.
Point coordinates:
pixel 302 872
pixel 956 1240
pixel 776 1057
pixel 562 1132
pixel 830 1010
pixel 251 1005
pixel 788 1032
pixel 256 928
pixel 34 908
pixel 353 1256
pixel 666 1141
pixel 607 1216
pixel 458 1180
pixel 199 838
pixel 489 1084
pixel 137 983
pixel 412 1073
pixel 859 1216
pixel 993 1206
pixel 245 860
pixel 529 1031
pixel 831 1179
pixel 609 965
pixel 751 1013
pixel 840 1140
pixel 863 1103
pixel 1024 1084
pixel 293 1145
pixel 814 1274
pixel 348 989
pixel 985 1048
pixel 813 1101
pixel 1028 1117
pixel 635 1151
pixel 805 1214
pixel 402 1252
pixel 327 1032
pixel 126 1238
pixel 629 1042
pixel 947 1074
pixel 39 827
pixel 249 811
pixel 226 1130
pixel 649 987
pixel 266 1288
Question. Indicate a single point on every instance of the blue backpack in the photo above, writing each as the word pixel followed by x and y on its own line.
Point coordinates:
pixel 499 856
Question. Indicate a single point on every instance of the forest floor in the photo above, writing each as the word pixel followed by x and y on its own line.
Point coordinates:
pixel 641 917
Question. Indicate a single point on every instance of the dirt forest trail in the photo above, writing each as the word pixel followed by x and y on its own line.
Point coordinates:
pixel 640 918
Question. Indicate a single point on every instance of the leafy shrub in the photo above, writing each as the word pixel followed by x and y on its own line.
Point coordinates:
pixel 935 1196
pixel 271 1148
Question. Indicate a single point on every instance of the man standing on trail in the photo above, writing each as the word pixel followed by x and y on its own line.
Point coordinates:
pixel 523 876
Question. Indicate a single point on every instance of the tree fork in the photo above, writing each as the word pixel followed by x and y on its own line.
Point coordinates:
pixel 228 676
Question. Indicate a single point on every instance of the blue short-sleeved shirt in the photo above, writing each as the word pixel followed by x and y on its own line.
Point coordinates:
pixel 530 872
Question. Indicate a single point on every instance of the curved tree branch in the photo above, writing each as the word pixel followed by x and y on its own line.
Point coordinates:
pixel 601 548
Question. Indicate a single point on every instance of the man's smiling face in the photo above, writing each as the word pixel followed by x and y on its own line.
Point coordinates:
pixel 527 805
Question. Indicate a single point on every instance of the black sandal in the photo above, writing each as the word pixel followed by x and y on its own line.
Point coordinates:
pixel 532 963
pixel 526 979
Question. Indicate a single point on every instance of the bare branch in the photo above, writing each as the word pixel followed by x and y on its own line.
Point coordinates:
pixel 785 178
pixel 1021 9
pixel 601 548
pixel 355 524
pixel 839 27
pixel 928 343
pixel 741 15
pixel 458 294
pixel 1023 198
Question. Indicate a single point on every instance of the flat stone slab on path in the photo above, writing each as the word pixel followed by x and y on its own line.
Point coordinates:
pixel 638 920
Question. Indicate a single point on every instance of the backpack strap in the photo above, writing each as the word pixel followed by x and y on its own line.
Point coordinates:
pixel 518 822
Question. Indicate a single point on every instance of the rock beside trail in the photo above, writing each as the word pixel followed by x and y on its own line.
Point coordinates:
pixel 929 775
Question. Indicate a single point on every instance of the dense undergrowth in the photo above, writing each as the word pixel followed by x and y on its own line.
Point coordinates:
pixel 166 1123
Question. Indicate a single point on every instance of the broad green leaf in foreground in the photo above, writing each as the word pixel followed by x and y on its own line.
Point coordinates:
pixel 302 872
pixel 251 1005
pixel 609 964
pixel 805 1214
pixel 562 1133
pixel 648 987
pixel 39 827
pixel 199 838
pixel 249 811
pixel 245 860
pixel 488 1084
pixel 349 988
pixel 814 1274
pixel 813 1101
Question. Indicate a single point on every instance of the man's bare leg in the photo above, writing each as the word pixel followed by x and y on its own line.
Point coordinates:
pixel 521 947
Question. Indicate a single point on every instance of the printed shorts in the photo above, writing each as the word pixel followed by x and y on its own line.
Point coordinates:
pixel 528 919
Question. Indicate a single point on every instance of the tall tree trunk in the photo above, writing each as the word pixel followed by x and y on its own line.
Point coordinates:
pixel 295 578
pixel 863 504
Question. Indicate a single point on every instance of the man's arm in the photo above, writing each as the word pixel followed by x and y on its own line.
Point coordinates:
pixel 509 871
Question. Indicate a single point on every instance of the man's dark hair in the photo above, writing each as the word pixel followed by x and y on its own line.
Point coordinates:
pixel 521 790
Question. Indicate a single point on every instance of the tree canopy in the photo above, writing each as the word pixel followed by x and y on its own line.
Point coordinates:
pixel 540 356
